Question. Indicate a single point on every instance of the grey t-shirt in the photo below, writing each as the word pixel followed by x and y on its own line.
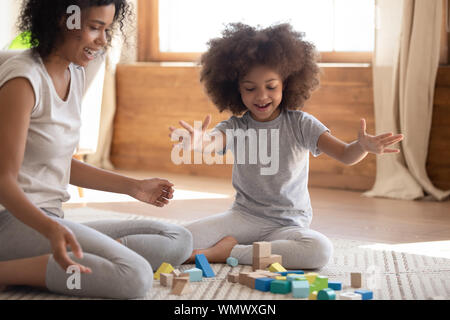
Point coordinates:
pixel 271 164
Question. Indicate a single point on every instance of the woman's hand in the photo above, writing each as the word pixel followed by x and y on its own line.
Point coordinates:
pixel 377 144
pixel 195 141
pixel 60 238
pixel 153 191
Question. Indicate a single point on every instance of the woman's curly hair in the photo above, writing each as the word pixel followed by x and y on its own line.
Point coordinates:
pixel 241 47
pixel 42 19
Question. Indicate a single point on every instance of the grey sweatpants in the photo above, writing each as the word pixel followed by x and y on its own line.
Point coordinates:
pixel 301 248
pixel 118 271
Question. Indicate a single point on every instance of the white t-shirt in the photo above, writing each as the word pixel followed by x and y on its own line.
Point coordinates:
pixel 53 132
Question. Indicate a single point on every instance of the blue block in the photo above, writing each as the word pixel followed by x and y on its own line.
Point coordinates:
pixel 335 285
pixel 365 294
pixel 195 274
pixel 285 273
pixel 263 284
pixel 300 289
pixel 232 261
pixel 202 263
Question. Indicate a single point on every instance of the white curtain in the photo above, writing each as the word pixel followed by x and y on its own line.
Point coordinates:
pixel 405 63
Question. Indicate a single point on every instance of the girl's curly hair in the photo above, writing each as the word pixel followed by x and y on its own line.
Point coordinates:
pixel 42 19
pixel 241 47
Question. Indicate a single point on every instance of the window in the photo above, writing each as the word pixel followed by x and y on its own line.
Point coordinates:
pixel 178 30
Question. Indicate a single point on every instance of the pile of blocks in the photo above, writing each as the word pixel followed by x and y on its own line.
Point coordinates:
pixel 268 276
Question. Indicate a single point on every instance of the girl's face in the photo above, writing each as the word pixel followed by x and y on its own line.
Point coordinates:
pixel 82 46
pixel 261 92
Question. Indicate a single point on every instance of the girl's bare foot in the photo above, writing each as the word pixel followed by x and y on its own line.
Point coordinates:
pixel 217 253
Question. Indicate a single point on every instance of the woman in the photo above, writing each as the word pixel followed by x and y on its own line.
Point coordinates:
pixel 40 98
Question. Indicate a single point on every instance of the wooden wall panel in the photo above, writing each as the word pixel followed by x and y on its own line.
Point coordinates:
pixel 151 97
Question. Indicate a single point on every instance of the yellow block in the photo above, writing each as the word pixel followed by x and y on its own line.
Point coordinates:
pixel 280 278
pixel 311 277
pixel 276 267
pixel 163 268
pixel 313 295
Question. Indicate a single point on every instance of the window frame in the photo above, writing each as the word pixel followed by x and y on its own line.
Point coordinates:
pixel 149 51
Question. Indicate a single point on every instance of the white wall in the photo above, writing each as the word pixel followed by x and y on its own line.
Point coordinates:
pixel 9 11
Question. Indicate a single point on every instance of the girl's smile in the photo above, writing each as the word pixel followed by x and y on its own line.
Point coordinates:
pixel 261 92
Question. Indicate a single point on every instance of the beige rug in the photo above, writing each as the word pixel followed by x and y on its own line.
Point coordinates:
pixel 391 275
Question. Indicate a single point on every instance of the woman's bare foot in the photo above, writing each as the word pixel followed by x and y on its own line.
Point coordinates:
pixel 217 253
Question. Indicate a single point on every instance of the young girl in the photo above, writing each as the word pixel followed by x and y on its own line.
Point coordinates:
pixel 40 99
pixel 268 74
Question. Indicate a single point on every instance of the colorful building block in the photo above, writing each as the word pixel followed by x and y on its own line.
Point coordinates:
pixel 262 249
pixel 233 262
pixel 336 286
pixel 263 284
pixel 251 279
pixel 163 268
pixel 311 277
pixel 280 278
pixel 195 274
pixel 349 296
pixel 276 267
pixel 292 277
pixel 326 294
pixel 356 279
pixel 300 289
pixel 202 263
pixel 313 295
pixel 365 294
pixel 280 286
pixel 285 273
pixel 321 282
pixel 262 263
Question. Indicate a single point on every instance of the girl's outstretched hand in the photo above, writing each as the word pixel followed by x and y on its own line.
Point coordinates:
pixel 377 144
pixel 195 139
pixel 154 191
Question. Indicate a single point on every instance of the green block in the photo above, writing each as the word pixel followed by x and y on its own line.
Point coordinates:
pixel 312 288
pixel 326 294
pixel 280 286
pixel 321 283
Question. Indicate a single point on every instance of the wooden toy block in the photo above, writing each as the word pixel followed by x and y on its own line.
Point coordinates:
pixel 233 262
pixel 242 277
pixel 233 277
pixel 365 294
pixel 293 277
pixel 176 273
pixel 285 273
pixel 311 277
pixel 276 267
pixel 166 279
pixel 163 268
pixel 336 286
pixel 280 278
pixel 313 295
pixel 349 296
pixel 300 289
pixel 177 279
pixel 194 274
pixel 251 278
pixel 263 284
pixel 202 263
pixel 262 249
pixel 263 263
pixel 356 279
pixel 321 282
pixel 280 286
pixel 181 287
pixel 326 294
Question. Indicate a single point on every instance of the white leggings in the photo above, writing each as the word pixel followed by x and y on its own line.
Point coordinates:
pixel 301 248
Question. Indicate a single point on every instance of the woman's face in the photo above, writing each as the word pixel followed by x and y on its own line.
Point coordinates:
pixel 83 45
pixel 261 92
